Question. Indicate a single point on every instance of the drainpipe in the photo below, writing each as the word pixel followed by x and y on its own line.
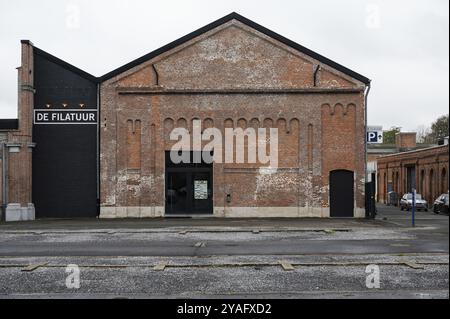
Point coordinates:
pixel 365 138
pixel 4 180
pixel 156 74
pixel 315 74
pixel 98 148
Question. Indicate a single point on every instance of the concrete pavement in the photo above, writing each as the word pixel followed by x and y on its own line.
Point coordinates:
pixel 228 258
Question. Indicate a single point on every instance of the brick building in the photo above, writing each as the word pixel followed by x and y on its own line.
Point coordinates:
pixel 232 73
pixel 404 141
pixel 425 169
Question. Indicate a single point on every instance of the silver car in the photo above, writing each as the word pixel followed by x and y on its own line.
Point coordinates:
pixel 406 202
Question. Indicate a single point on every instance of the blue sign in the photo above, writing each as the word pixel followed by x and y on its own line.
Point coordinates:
pixel 374 137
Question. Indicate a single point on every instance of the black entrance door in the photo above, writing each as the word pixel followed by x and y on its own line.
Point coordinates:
pixel 189 188
pixel 341 193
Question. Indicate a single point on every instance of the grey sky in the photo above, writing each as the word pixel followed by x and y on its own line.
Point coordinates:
pixel 401 45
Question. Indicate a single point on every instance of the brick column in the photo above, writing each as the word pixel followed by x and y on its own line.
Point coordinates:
pixel 20 145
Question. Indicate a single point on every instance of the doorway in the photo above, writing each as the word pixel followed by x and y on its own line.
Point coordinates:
pixel 341 193
pixel 189 186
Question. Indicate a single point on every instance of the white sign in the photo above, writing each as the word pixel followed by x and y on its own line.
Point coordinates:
pixel 374 135
pixel 65 116
pixel 200 189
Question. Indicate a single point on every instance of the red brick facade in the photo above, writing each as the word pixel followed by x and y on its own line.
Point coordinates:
pixel 18 146
pixel 232 76
pixel 431 172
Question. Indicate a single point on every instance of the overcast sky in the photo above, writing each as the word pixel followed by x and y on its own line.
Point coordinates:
pixel 401 45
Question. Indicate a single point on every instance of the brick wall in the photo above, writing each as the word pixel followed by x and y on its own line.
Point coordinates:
pixel 405 140
pixel 232 76
pixel 431 167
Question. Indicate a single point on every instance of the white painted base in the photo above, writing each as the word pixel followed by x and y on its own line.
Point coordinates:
pixel 254 212
pixel 228 212
pixel 131 212
pixel 360 213
pixel 15 212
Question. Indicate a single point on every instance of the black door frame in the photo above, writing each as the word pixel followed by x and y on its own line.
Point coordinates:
pixel 342 206
pixel 189 171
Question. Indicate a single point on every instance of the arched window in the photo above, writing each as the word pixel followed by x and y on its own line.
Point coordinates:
pixel 422 182
pixel 431 186
pixel 444 181
pixel 397 181
pixel 393 181
pixel 378 187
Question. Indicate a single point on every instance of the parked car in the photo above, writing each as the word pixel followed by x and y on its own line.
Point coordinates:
pixel 406 202
pixel 441 204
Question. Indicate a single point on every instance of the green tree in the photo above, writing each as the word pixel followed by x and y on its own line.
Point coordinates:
pixel 389 135
pixel 437 131
pixel 439 128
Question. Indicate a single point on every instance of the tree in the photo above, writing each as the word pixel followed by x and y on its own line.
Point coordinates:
pixel 423 134
pixel 389 135
pixel 437 131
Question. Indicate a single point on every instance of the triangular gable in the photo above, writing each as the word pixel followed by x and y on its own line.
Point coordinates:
pixel 248 23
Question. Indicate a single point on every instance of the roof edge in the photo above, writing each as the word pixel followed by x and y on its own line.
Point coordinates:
pixel 64 64
pixel 249 23
pixel 412 151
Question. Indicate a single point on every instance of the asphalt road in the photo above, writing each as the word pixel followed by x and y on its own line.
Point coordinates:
pixel 228 258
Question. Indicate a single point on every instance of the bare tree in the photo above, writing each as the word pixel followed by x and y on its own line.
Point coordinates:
pixel 423 133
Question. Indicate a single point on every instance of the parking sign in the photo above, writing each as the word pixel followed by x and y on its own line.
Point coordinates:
pixel 374 135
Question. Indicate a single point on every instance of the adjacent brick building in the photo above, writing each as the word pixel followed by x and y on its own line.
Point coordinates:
pixel 231 73
pixel 404 141
pixel 426 170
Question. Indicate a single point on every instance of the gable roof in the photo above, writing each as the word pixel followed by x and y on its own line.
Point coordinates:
pixel 64 64
pixel 249 23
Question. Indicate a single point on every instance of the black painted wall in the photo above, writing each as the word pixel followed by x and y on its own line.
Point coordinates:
pixel 65 156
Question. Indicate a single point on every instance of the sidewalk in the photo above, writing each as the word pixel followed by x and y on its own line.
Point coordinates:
pixel 212 224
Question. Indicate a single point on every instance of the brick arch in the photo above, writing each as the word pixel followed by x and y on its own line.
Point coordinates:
pixel 254 122
pixel 378 186
pixel 324 108
pixel 228 123
pixel 444 180
pixel 208 123
pixel 294 123
pixel 268 122
pixel 182 122
pixel 242 123
pixel 422 182
pixel 431 184
pixel 338 108
pixel 310 144
pixel 351 107
pixel 281 124
pixel 133 146
pixel 397 181
pixel 168 124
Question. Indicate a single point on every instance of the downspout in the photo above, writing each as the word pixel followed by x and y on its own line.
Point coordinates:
pixel 315 75
pixel 156 74
pixel 366 95
pixel 98 149
pixel 4 181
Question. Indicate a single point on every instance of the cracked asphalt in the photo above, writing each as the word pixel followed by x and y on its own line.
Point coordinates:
pixel 219 258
